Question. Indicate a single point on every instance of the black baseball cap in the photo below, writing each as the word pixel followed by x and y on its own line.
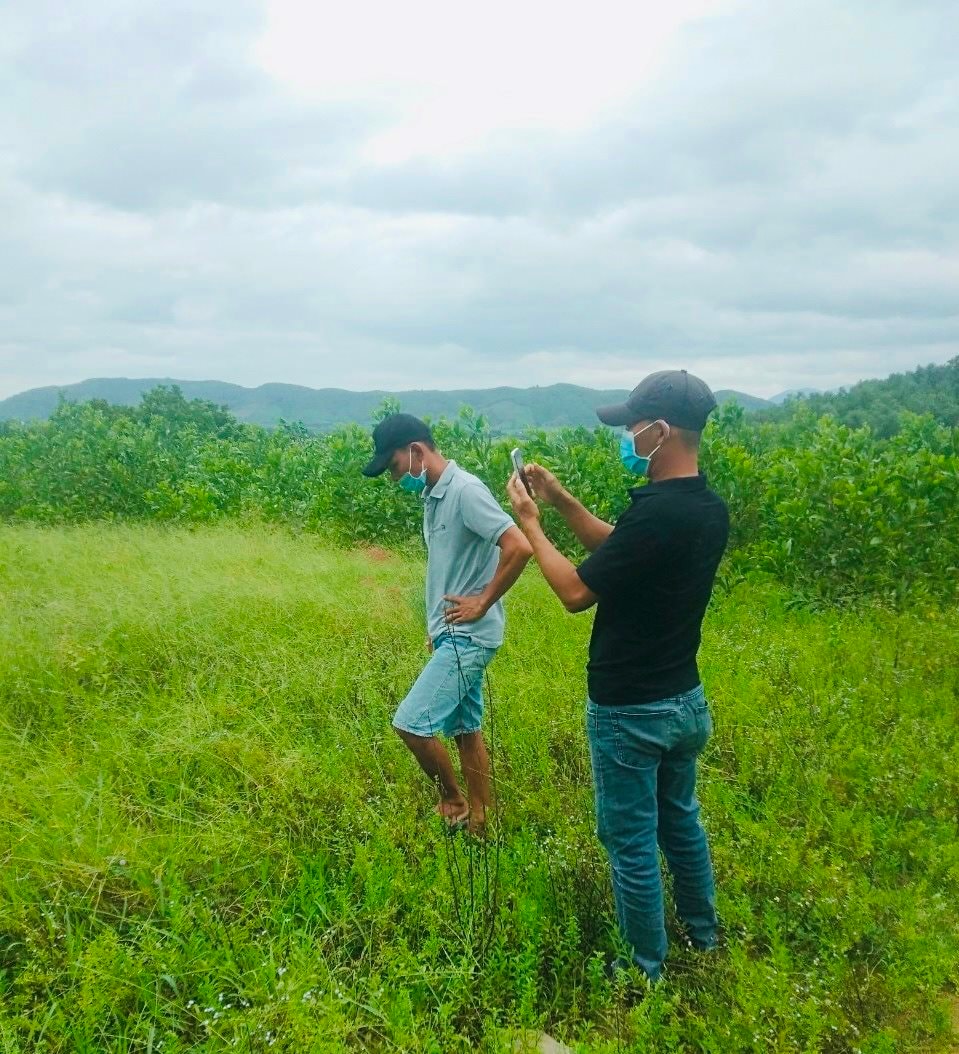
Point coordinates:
pixel 673 396
pixel 392 434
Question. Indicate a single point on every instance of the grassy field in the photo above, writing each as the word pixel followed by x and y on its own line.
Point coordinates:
pixel 211 840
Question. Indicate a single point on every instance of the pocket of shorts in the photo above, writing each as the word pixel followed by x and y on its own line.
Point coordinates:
pixel 469 662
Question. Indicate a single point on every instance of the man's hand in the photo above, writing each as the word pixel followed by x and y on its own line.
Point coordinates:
pixel 465 609
pixel 524 508
pixel 545 485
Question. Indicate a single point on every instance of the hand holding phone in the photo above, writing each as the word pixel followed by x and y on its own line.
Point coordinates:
pixel 516 455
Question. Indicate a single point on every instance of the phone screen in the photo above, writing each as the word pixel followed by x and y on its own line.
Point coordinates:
pixel 517 455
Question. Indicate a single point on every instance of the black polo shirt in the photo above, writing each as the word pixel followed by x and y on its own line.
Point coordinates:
pixel 653 576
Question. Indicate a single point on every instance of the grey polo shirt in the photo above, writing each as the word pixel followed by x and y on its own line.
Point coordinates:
pixel 462 523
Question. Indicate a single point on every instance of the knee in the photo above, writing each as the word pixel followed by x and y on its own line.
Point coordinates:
pixel 634 847
pixel 411 740
pixel 680 818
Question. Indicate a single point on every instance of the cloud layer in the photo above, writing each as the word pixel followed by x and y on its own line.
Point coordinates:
pixel 772 202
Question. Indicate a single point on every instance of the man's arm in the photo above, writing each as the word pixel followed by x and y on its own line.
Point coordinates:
pixel 515 553
pixel 589 529
pixel 559 572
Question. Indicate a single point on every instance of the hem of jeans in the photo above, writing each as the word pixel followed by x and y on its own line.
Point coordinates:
pixel 413 731
pixel 435 733
pixel 620 965
pixel 464 731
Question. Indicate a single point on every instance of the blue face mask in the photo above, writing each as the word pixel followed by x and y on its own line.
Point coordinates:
pixel 627 451
pixel 411 483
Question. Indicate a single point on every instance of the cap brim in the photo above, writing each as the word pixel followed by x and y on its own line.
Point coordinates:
pixel 616 414
pixel 378 465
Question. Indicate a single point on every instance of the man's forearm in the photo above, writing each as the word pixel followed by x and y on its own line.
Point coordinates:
pixel 559 572
pixel 508 570
pixel 589 529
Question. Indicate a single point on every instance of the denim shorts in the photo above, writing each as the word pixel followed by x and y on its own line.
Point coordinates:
pixel 447 697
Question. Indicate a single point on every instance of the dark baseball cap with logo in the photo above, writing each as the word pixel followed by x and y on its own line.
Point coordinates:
pixel 392 434
pixel 673 396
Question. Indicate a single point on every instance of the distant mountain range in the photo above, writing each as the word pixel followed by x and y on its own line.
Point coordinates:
pixel 322 409
pixel 793 393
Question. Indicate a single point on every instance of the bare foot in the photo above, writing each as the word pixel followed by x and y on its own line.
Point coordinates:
pixel 455 812
pixel 477 822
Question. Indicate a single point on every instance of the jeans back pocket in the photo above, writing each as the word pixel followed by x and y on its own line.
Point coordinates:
pixel 643 733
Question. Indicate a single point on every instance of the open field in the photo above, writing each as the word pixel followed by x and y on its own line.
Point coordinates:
pixel 211 840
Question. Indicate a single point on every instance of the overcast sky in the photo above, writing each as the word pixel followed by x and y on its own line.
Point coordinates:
pixel 434 195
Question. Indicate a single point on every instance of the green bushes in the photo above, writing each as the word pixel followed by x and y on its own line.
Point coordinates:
pixel 835 512
pixel 832 512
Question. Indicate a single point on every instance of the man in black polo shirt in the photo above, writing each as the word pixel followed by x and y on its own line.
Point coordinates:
pixel 650 577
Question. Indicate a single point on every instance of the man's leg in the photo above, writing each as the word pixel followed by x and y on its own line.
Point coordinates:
pixel 423 716
pixel 447 699
pixel 681 834
pixel 474 761
pixel 625 758
pixel 434 760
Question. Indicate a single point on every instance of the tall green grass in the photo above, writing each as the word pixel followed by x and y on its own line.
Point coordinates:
pixel 211 839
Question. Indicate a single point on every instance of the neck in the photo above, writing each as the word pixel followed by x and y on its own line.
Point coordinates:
pixel 435 465
pixel 676 465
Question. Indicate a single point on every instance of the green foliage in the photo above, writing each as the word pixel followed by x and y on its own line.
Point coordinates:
pixel 211 840
pixel 833 512
pixel 838 513
pixel 884 405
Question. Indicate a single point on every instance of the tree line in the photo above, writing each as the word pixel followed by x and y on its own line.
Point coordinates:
pixel 837 512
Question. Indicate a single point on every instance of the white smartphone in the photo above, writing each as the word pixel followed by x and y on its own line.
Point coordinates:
pixel 518 464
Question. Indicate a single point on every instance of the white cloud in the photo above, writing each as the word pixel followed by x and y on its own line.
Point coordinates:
pixel 451 75
pixel 387 196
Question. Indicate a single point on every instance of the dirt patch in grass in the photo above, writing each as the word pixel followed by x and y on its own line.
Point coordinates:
pixel 376 553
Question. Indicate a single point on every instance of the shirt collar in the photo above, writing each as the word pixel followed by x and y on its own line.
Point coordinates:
pixel 683 484
pixel 438 490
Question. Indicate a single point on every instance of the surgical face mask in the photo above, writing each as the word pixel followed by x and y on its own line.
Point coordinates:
pixel 411 483
pixel 627 450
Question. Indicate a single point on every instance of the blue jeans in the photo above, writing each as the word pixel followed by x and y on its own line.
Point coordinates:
pixel 644 772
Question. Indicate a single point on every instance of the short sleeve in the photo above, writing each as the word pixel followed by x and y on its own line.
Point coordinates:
pixel 481 514
pixel 633 551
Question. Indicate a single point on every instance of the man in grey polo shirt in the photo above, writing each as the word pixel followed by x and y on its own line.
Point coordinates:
pixel 475 553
